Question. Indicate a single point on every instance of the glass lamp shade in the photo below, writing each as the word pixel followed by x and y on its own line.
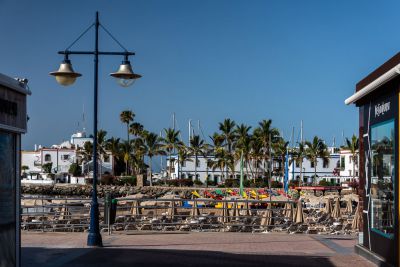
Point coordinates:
pixel 125 75
pixel 65 74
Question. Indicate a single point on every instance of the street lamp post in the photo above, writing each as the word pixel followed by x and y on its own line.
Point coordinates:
pixel 67 76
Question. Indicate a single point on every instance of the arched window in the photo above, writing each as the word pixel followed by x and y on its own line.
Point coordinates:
pixel 47 157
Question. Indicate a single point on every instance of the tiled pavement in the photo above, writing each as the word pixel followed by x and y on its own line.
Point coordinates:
pixel 189 249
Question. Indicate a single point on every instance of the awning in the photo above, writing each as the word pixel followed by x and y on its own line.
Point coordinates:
pixel 384 78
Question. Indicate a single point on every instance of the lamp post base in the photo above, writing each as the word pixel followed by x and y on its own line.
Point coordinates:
pixel 94 240
pixel 94 237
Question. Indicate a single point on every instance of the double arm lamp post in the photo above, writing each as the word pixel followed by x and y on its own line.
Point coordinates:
pixel 67 76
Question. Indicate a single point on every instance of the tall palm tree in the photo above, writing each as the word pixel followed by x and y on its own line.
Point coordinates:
pixel 127 117
pixel 154 148
pixel 183 157
pixel 139 151
pixel 113 145
pixel 280 150
pixel 243 144
pixel 299 156
pixel 227 128
pixel 197 148
pixel 136 129
pixel 256 155
pixel 316 149
pixel 218 151
pixel 353 146
pixel 264 132
pixel 126 149
pixel 171 141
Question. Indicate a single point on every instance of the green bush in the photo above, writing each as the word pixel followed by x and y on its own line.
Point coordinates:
pixel 75 169
pixel 125 180
pixel 47 167
pixel 107 179
pixel 260 182
pixel 211 182
pixel 180 182
pixel 197 182
pixel 324 183
pixel 247 183
pixel 232 183
pixel 293 183
pixel 276 184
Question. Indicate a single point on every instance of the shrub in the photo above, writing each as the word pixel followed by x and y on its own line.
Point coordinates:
pixel 232 183
pixel 179 182
pixel 75 169
pixel 276 184
pixel 259 182
pixel 246 183
pixel 107 179
pixel 47 167
pixel 293 183
pixel 122 180
pixel 324 183
pixel 197 182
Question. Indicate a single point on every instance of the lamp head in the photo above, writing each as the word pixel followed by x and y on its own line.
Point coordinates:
pixel 65 74
pixel 125 75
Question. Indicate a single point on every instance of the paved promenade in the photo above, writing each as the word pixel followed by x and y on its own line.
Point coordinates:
pixel 189 249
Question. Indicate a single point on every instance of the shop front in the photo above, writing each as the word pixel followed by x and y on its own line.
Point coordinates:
pixel 377 97
pixel 13 120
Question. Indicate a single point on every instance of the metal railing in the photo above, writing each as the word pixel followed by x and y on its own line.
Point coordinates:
pixel 175 214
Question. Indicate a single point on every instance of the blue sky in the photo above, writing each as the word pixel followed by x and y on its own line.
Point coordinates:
pixel 204 60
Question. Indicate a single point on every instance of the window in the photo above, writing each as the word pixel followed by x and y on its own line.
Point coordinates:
pixel 297 164
pixel 65 157
pixel 325 164
pixel 198 163
pixel 312 164
pixel 382 178
pixel 183 163
pixel 47 157
pixel 106 158
pixel 342 163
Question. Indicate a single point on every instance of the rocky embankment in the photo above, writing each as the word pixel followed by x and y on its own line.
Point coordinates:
pixel 116 191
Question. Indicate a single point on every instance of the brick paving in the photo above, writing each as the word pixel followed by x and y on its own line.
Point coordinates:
pixel 189 249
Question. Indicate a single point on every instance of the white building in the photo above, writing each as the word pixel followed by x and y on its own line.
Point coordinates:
pixel 62 156
pixel 187 170
pixel 331 171
pixel 346 164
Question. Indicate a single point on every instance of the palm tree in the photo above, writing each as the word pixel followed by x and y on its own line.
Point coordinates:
pixel 139 151
pixel 171 141
pixel 299 156
pixel 136 129
pixel 264 132
pixel 227 128
pixel 197 148
pixel 113 145
pixel 126 117
pixel 280 150
pixel 353 145
pixel 153 145
pixel 316 149
pixel 256 154
pixel 243 144
pixel 218 151
pixel 183 157
pixel 126 149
